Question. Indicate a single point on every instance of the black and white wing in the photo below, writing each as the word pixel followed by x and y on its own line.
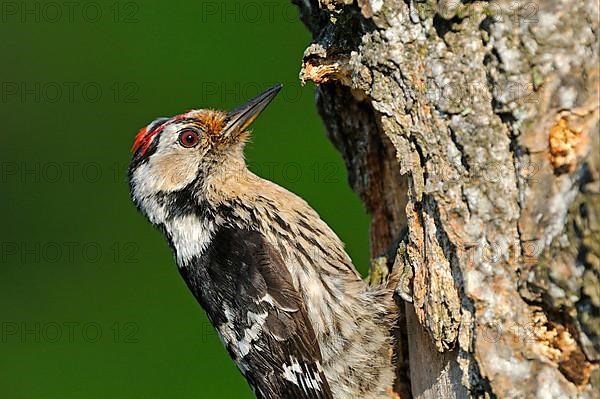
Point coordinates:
pixel 248 294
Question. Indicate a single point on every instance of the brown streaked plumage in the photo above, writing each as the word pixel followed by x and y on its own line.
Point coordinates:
pixel 273 278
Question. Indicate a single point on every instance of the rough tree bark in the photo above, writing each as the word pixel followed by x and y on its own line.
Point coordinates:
pixel 475 125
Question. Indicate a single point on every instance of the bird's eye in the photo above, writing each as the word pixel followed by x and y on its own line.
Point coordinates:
pixel 188 138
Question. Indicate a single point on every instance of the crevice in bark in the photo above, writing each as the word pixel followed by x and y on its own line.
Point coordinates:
pixel 486 24
pixel 402 383
pixel 461 149
pixel 479 386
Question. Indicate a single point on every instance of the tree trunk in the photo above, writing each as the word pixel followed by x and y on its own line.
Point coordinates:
pixel 474 125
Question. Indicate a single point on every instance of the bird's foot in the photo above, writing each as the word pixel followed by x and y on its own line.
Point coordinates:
pixel 378 271
pixel 405 275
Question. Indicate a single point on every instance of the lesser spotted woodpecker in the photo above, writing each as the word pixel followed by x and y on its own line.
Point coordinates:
pixel 273 278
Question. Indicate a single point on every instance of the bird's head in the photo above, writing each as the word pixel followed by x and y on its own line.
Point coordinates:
pixel 181 155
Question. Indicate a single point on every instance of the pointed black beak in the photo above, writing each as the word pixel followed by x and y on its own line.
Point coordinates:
pixel 239 119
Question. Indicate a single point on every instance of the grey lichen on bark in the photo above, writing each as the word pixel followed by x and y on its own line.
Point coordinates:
pixel 474 125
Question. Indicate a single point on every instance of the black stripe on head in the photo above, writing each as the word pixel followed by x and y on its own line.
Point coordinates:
pixel 140 156
pixel 155 124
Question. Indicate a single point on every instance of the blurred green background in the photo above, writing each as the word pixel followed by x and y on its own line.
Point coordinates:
pixel 91 303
